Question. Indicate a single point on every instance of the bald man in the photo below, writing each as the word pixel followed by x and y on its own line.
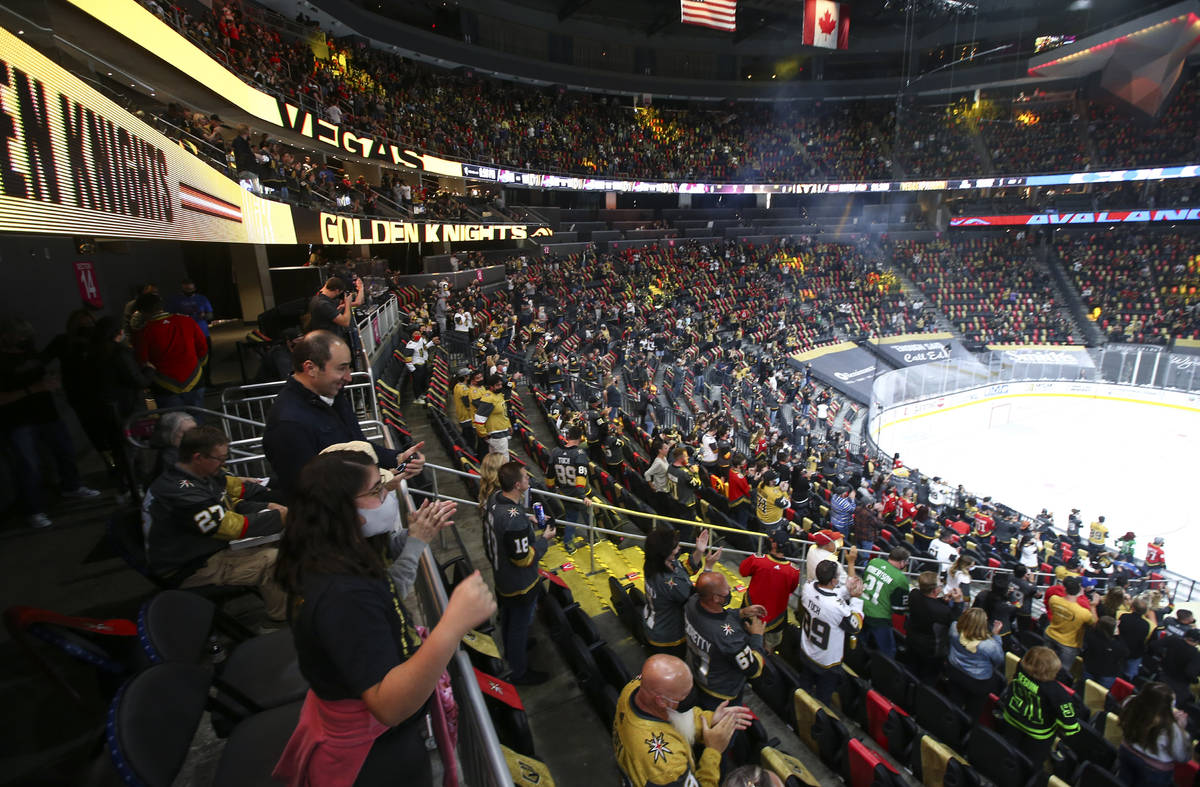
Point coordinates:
pixel 725 646
pixel 653 740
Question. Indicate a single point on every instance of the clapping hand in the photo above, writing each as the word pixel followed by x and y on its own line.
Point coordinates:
pixel 431 517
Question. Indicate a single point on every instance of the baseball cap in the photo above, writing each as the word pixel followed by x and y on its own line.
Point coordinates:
pixel 826 537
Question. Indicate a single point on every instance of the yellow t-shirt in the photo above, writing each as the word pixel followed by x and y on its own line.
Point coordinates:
pixel 1068 621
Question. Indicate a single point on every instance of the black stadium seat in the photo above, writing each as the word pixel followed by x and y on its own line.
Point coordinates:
pixel 154 718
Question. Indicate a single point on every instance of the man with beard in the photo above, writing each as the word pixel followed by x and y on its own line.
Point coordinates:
pixel 653 740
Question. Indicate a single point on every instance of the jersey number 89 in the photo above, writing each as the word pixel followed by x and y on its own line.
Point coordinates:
pixel 816 629
pixel 565 474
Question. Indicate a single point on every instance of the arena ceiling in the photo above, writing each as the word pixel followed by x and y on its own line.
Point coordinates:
pixel 873 22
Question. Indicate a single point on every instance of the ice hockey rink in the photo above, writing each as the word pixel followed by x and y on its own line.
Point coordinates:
pixel 1133 462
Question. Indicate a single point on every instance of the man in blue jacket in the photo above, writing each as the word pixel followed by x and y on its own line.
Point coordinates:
pixel 313 412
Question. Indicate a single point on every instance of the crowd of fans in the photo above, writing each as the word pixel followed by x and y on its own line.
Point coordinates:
pixel 466 116
pixel 1172 139
pixel 931 143
pixel 988 287
pixel 989 581
pixel 1138 288
pixel 1036 138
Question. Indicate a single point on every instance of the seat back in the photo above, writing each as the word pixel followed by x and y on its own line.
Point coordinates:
pixel 940 718
pixel 1091 746
pixel 615 673
pixel 868 769
pixel 1094 696
pixel 1121 689
pixel 623 606
pixel 124 532
pixel 582 625
pixel 789 769
pixel 806 708
pixel 174 626
pixel 997 759
pixel 1092 775
pixel 1011 660
pixel 152 721
pixel 831 736
pixel 892 680
pixel 775 686
pixel 878 709
pixel 935 756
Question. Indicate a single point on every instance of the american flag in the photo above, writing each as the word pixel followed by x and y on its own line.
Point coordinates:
pixel 717 14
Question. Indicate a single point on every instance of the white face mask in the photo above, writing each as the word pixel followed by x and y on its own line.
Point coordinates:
pixel 383 519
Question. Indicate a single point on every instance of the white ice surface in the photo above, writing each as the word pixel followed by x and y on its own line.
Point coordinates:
pixel 1134 463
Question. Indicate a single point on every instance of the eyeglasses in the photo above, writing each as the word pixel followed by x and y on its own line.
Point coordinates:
pixel 379 490
pixel 221 459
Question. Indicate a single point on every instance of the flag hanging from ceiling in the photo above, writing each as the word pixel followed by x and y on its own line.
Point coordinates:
pixel 826 24
pixel 717 14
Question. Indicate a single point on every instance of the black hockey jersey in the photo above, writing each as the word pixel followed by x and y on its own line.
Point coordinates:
pixel 721 653
pixel 512 545
pixel 186 519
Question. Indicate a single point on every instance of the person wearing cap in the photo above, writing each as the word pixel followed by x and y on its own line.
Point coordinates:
pixel 829 612
pixel 277 363
pixel 569 473
pixel 885 593
pixel 491 416
pixel 462 404
pixel 682 486
pixel 595 428
pixel 331 308
pixel 773 579
pixel 772 503
pixel 1068 621
pixel 1074 523
pixel 944 549
pixel 1125 546
pixel 416 356
pixel 867 527
pixel 826 544
pixel 1180 662
pixel 1073 567
pixel 616 450
pixel 1156 559
pixel 1097 535
pixel 841 509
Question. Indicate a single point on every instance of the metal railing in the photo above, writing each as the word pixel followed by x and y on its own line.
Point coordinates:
pixel 479 754
pixel 244 412
pixel 377 324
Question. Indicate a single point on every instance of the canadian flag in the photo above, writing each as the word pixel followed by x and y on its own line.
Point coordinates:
pixel 826 24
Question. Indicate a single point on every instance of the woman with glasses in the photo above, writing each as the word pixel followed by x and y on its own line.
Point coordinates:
pixel 370 674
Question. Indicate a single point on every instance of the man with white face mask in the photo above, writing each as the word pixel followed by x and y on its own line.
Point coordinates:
pixel 653 740
pixel 514 548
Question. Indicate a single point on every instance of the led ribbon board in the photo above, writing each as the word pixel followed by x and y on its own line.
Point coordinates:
pixel 333 229
pixel 1087 217
pixel 74 163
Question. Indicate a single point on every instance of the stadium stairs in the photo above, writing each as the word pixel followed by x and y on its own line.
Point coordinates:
pixel 1074 306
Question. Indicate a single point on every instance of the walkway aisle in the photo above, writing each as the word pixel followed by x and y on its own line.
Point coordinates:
pixel 568 736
